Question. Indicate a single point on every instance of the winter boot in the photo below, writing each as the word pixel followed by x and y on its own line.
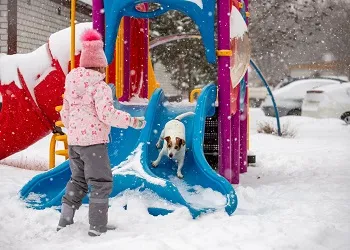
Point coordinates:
pixel 98 230
pixel 67 214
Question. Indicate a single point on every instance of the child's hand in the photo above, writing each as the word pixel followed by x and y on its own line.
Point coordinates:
pixel 137 122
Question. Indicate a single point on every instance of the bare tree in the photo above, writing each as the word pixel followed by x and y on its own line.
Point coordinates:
pixel 286 32
pixel 339 33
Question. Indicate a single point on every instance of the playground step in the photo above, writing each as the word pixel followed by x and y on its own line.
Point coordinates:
pixel 59 124
pixel 63 152
pixel 61 137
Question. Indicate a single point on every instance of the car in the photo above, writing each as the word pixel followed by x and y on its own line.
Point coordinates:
pixel 332 101
pixel 256 96
pixel 289 98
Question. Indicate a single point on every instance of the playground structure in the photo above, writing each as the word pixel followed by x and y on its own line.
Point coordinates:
pixel 131 151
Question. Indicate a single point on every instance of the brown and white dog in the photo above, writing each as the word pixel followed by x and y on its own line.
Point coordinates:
pixel 173 136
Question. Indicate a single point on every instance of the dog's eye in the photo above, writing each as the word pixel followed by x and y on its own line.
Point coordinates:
pixel 169 146
pixel 176 147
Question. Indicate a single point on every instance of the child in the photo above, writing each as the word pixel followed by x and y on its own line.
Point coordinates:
pixel 88 114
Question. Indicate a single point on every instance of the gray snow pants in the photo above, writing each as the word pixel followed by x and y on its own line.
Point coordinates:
pixel 90 166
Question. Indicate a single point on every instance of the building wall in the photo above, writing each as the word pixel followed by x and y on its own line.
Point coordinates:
pixel 38 19
pixel 3 26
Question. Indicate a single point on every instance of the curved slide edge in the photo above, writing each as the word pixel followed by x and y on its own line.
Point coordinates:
pixel 205 105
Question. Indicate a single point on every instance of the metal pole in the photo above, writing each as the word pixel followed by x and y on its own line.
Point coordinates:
pixel 224 121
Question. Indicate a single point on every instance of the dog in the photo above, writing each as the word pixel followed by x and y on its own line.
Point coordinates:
pixel 173 137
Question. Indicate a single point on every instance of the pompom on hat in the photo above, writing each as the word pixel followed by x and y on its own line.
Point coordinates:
pixel 92 54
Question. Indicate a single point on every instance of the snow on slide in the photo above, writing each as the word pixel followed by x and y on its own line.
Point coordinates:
pixel 131 152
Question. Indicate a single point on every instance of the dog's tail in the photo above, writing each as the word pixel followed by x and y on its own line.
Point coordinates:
pixel 180 117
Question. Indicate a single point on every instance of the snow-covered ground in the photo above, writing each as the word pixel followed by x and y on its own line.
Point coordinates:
pixel 297 197
pixel 36 157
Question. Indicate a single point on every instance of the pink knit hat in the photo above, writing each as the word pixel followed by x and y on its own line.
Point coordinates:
pixel 92 54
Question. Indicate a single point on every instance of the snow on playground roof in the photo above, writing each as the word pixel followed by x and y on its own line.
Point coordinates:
pixel 37 64
pixel 237 24
pixel 31 66
pixel 89 2
pixel 59 43
pixel 198 2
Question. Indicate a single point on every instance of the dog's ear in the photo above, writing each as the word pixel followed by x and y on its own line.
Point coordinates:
pixel 168 139
pixel 180 142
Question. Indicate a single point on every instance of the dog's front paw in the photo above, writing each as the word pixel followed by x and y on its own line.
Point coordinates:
pixel 154 164
pixel 180 176
pixel 158 145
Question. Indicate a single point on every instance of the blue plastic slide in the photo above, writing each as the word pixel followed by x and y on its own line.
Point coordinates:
pixel 131 153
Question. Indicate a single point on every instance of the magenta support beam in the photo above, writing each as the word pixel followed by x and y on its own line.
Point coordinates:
pixel 98 19
pixel 145 64
pixel 225 146
pixel 236 141
pixel 236 126
pixel 244 121
pixel 235 138
pixel 126 89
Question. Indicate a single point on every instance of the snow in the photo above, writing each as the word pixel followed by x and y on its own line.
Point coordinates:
pixel 296 91
pixel 132 166
pixel 199 3
pixel 337 95
pixel 89 2
pixel 136 100
pixel 238 27
pixel 59 43
pixel 183 103
pixel 201 197
pixel 36 157
pixel 31 65
pixel 298 88
pixel 297 197
pixel 35 66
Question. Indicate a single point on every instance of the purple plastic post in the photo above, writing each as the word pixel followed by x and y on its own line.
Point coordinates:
pixel 235 138
pixel 225 146
pixel 236 141
pixel 244 121
pixel 236 126
pixel 126 89
pixel 98 16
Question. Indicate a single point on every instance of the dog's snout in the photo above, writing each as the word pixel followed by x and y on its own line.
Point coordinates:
pixel 171 155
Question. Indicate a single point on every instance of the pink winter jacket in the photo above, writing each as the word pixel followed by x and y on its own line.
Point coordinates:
pixel 88 112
